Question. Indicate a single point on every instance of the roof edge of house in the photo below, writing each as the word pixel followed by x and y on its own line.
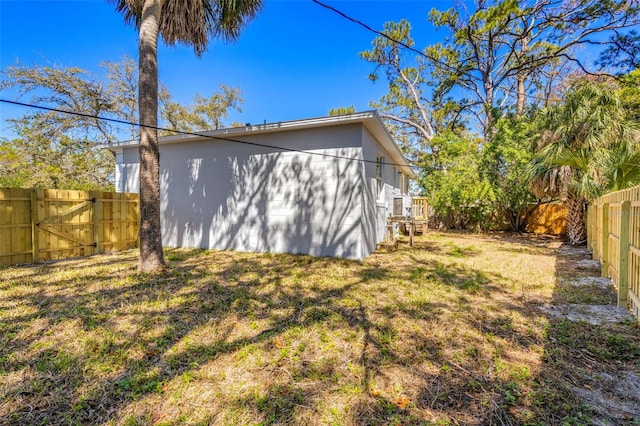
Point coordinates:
pixel 370 119
pixel 381 133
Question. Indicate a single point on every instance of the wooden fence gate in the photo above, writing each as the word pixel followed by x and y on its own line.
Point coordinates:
pixel 47 224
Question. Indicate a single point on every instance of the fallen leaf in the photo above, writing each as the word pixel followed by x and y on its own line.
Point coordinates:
pixel 401 402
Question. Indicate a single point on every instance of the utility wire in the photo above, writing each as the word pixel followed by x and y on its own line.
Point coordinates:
pixel 130 123
pixel 373 30
pixel 326 6
pixel 411 48
pixel 203 135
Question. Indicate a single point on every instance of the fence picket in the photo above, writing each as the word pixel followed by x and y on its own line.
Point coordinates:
pixel 604 242
pixel 623 266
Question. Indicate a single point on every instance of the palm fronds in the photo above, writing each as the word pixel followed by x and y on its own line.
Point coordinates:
pixel 586 146
pixel 194 22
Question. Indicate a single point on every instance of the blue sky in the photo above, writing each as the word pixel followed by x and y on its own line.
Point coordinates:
pixel 295 60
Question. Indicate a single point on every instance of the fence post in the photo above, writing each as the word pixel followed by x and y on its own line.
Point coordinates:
pixel 597 224
pixel 589 226
pixel 593 240
pixel 623 268
pixel 604 251
pixel 96 221
pixel 425 213
pixel 37 213
pixel 412 227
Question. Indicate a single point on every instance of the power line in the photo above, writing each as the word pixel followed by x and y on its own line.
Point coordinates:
pixel 412 49
pixel 203 135
pixel 373 30
pixel 130 123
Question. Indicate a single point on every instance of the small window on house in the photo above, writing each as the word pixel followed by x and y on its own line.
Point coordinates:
pixel 379 169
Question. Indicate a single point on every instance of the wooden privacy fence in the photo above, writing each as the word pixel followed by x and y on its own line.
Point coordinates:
pixel 548 218
pixel 47 224
pixel 613 235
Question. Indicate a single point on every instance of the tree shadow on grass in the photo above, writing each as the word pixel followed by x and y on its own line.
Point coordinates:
pixel 483 376
pixel 363 334
pixel 450 248
pixel 523 243
pixel 138 361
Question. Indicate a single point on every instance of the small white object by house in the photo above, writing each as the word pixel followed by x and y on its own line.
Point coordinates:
pixel 322 186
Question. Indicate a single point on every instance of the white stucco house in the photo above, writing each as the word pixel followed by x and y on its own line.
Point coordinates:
pixel 321 186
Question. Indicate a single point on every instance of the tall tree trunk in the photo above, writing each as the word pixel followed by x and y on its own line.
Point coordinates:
pixel 521 77
pixel 150 234
pixel 488 124
pixel 520 93
pixel 576 228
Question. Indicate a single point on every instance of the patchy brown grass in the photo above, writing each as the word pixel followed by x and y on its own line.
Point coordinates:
pixel 446 332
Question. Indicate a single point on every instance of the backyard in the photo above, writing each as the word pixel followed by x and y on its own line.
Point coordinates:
pixel 459 329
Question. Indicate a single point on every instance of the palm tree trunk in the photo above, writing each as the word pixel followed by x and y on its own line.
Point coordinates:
pixel 150 234
pixel 576 227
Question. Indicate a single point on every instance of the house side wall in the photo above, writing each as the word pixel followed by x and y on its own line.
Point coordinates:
pixel 225 195
pixel 377 202
pixel 127 170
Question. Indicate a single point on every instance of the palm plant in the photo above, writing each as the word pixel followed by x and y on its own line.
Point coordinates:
pixel 587 146
pixel 190 22
pixel 622 168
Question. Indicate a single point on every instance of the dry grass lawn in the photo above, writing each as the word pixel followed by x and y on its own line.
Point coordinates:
pixel 446 332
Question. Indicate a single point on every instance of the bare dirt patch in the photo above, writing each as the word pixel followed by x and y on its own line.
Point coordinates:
pixel 615 398
pixel 588 264
pixel 591 314
pixel 569 250
pixel 600 282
